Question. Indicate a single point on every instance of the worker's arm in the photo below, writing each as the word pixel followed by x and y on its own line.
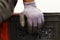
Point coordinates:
pixel 28 0
pixel 6 9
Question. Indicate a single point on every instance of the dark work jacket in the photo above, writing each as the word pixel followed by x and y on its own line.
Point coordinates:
pixel 6 9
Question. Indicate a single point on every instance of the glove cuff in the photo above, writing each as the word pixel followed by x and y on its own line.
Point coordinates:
pixel 30 3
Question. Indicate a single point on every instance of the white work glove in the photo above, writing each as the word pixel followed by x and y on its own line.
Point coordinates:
pixel 35 18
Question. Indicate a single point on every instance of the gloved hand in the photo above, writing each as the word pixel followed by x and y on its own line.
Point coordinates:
pixel 35 17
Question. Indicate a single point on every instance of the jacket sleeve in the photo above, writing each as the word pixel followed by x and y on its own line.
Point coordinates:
pixel 6 10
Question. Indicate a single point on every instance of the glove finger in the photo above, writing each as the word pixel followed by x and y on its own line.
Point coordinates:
pixel 29 21
pixel 39 24
pixel 35 25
